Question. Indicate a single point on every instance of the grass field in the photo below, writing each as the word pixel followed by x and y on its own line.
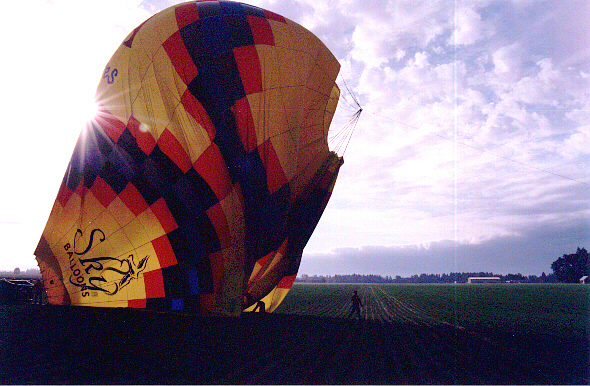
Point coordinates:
pixel 556 308
pixel 408 334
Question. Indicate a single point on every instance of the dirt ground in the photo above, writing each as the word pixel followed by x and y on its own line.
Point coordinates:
pixel 74 345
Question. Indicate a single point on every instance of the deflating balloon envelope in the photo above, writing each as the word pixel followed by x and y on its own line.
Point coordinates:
pixel 206 170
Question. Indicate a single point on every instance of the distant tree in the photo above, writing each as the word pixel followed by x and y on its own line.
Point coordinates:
pixel 551 278
pixel 17 271
pixel 570 268
pixel 543 278
pixel 514 277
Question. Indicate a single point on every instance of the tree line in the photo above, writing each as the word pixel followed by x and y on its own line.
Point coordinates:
pixel 567 269
pixel 17 273
pixel 453 277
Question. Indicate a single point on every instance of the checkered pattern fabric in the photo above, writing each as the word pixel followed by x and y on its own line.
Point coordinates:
pixel 203 176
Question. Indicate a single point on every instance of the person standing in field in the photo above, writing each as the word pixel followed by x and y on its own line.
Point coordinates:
pixel 356 305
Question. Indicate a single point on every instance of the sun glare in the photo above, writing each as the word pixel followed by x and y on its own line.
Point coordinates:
pixel 82 110
pixel 88 110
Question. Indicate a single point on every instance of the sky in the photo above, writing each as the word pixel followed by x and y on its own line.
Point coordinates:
pixel 472 152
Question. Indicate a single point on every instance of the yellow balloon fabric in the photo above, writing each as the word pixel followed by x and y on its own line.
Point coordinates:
pixel 200 181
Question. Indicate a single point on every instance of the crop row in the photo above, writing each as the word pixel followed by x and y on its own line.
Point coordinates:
pixel 534 307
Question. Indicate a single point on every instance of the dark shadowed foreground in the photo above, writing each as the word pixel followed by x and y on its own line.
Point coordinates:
pixel 64 345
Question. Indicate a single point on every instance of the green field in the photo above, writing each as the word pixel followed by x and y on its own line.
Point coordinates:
pixel 555 308
pixel 408 334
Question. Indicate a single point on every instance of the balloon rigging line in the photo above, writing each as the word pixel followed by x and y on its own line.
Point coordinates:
pixel 351 93
pixel 348 104
pixel 344 135
pixel 347 107
pixel 485 151
pixel 355 120
pixel 342 138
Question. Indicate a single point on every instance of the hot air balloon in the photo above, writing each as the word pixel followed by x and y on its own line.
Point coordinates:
pixel 202 177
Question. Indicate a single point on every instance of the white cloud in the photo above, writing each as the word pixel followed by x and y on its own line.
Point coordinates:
pixel 400 54
pixel 508 60
pixel 382 31
pixel 469 27
pixel 577 143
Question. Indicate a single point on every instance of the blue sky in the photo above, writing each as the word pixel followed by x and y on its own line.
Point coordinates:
pixel 471 154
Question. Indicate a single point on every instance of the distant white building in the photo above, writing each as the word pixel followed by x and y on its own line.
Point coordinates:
pixel 478 279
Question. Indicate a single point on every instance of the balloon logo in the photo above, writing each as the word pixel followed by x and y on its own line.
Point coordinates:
pixel 204 173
